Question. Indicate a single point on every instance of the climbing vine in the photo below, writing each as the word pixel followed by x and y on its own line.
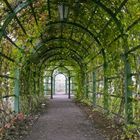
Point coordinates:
pixel 97 42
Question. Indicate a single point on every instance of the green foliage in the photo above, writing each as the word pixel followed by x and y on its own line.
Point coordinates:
pixel 130 132
pixel 95 32
pixel 86 102
pixel 29 104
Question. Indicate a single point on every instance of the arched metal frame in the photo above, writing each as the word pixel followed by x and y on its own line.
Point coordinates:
pixel 28 3
pixel 52 77
pixel 59 39
pixel 48 55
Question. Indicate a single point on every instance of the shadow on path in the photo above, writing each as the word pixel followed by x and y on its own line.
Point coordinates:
pixel 63 120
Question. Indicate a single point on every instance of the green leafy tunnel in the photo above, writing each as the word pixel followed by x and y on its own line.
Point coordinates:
pixel 95 43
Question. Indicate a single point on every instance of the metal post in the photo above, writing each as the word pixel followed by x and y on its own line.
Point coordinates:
pixel 34 85
pixel 127 85
pixel 69 88
pixel 45 86
pixel 86 86
pixel 38 83
pixel 16 91
pixel 34 82
pixel 54 85
pixel 127 91
pixel 51 87
pixel 66 85
pixel 94 89
pixel 106 95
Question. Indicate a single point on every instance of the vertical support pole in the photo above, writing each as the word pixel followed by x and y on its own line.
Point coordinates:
pixel 82 84
pixel 69 96
pixel 127 85
pixel 34 82
pixel 66 85
pixel 127 91
pixel 38 82
pixel 45 86
pixel 86 86
pixel 41 85
pixel 51 87
pixel 71 86
pixel 34 86
pixel 54 85
pixel 106 95
pixel 16 91
pixel 94 89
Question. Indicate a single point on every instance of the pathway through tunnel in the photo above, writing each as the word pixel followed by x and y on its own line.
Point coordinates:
pixel 63 120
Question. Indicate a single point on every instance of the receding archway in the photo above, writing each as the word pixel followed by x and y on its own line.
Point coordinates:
pixel 60 84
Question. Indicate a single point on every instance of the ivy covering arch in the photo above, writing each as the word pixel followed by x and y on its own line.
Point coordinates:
pixel 98 42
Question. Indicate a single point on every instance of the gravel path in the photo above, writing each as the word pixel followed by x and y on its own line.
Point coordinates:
pixel 63 121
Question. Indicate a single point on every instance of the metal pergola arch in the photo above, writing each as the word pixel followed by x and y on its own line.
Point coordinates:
pixel 88 29
pixel 57 39
pixel 45 48
pixel 76 25
pixel 45 62
pixel 24 5
pixel 28 2
pixel 61 69
pixel 50 50
pixel 57 57
pixel 61 66
pixel 53 75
